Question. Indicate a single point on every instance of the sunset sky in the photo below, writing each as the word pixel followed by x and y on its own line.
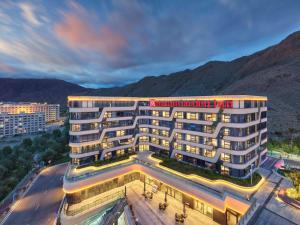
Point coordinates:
pixel 106 43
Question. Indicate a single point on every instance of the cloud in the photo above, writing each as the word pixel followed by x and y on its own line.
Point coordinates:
pixel 116 42
pixel 77 33
pixel 7 68
pixel 28 13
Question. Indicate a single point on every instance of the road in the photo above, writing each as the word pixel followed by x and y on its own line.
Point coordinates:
pixel 269 163
pixel 41 202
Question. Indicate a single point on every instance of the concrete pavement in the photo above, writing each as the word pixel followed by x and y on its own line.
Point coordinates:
pixel 41 202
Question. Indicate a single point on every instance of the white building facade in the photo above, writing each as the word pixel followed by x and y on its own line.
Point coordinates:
pixel 51 111
pixel 22 123
pixel 227 134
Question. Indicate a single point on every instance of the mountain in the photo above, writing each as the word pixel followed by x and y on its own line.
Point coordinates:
pixel 37 90
pixel 273 72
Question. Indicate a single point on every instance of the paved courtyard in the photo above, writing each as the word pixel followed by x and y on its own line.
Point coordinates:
pixel 148 212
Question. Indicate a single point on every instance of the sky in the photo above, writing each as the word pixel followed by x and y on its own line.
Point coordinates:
pixel 101 43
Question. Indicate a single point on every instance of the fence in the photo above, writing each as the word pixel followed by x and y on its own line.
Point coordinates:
pixel 108 198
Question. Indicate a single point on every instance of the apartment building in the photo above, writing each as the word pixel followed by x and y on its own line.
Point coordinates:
pixel 227 134
pixel 21 123
pixel 51 111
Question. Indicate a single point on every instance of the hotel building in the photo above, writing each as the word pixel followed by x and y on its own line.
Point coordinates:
pixel 51 111
pixel 226 134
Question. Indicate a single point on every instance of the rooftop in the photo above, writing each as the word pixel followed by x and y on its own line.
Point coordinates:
pixel 216 97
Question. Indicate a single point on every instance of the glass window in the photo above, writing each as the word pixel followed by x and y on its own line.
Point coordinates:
pixel 210 117
pixel 155 113
pixel 179 115
pixel 192 116
pixel 225 157
pixel 165 143
pixel 166 114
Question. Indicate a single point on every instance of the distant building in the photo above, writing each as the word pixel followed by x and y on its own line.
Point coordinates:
pixel 51 111
pixel 22 123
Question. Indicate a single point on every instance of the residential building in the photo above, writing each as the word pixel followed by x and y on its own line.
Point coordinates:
pixel 22 123
pixel 51 111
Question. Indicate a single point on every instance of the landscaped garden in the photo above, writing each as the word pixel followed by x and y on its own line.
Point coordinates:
pixel 294 176
pixel 209 174
pixel 108 161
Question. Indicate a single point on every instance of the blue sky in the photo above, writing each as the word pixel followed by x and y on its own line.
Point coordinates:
pixel 107 43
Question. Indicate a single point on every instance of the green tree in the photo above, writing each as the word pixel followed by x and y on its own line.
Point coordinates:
pixel 27 142
pixel 7 150
pixel 56 133
pixel 3 171
pixel 48 155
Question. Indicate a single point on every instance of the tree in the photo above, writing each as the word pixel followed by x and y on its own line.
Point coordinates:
pixel 48 155
pixel 7 150
pixel 3 170
pixel 56 133
pixel 27 142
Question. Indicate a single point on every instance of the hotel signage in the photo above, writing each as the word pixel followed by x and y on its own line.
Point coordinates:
pixel 192 104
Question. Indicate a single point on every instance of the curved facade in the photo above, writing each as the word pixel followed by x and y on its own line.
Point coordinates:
pixel 225 133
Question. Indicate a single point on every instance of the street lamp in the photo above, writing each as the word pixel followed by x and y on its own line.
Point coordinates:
pixel 251 171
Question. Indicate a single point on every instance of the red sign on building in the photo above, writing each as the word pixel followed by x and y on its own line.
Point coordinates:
pixel 192 104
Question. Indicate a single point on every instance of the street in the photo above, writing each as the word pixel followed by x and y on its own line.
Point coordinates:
pixel 269 163
pixel 41 202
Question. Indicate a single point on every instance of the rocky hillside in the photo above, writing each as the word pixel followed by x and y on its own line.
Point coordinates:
pixel 273 72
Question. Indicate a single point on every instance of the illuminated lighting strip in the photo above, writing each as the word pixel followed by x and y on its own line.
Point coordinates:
pixel 220 97
pixel 223 210
pixel 189 176
pixel 95 168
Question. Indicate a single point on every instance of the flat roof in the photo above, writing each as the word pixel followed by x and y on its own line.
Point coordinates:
pixel 173 98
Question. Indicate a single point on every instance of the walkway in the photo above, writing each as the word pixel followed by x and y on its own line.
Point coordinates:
pixel 273 211
pixel 148 212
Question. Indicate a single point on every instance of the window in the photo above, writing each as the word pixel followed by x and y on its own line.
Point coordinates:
pixel 210 117
pixel 107 115
pixel 226 118
pixel 179 157
pixel 226 132
pixel 177 146
pixel 144 130
pixel 192 116
pixel 165 133
pixel 225 157
pixel 165 143
pixel 192 149
pixel 155 131
pixel 155 122
pixel 143 148
pixel 179 115
pixel 120 152
pixel 178 136
pixel 120 133
pixel 155 113
pixel 209 153
pixel 225 144
pixel 166 114
pixel 155 140
pixel 179 125
pixel 144 139
pixel 192 138
pixel 224 170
